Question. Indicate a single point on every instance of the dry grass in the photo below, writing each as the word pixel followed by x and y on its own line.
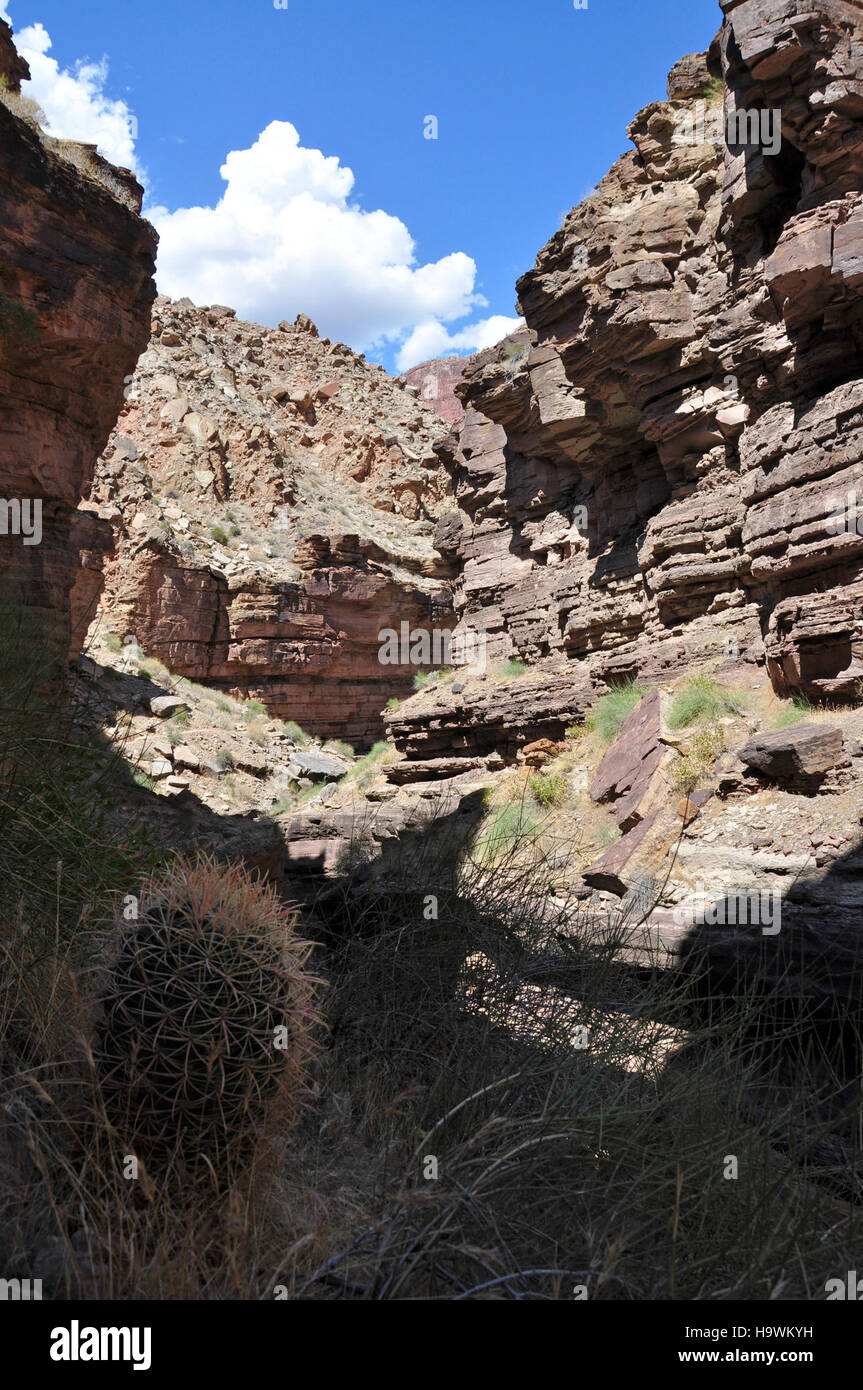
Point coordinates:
pixel 505 1109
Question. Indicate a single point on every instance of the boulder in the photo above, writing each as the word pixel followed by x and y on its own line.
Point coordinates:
pixel 542 751
pixel 166 706
pixel 803 752
pixel 627 770
pixel 320 767
pixel 614 872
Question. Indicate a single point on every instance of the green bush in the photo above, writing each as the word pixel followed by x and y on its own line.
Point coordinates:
pixel 702 699
pixel 294 732
pixel 368 767
pixel 611 710
pixel 340 748
pixel 549 789
pixel 219 534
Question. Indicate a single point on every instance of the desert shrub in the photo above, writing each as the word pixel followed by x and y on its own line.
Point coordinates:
pixel 515 359
pixel 224 760
pixel 393 702
pixel 254 709
pixel 702 699
pixel 295 733
pixel 548 788
pixel 611 710
pixel 696 765
pixel 207 1020
pixel 219 534
pixel 258 732
pixel 113 643
pixel 366 768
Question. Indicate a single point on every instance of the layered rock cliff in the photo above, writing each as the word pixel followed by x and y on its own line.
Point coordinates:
pixel 662 469
pixel 76 267
pixel 273 498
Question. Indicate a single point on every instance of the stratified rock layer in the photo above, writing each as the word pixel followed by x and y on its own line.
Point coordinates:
pixel 75 291
pixel 274 499
pixel 662 469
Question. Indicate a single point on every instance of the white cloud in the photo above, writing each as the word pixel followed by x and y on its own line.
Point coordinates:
pixel 285 238
pixel 432 339
pixel 74 101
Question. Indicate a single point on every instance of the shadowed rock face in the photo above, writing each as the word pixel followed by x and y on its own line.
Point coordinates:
pixel 76 286
pixel 663 467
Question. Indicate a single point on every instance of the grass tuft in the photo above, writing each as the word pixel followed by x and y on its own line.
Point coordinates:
pixel 610 711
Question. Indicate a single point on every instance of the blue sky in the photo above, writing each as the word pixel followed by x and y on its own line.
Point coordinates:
pixel 418 251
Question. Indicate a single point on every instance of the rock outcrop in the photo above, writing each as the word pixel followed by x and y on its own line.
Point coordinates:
pixel 274 498
pixel 436 382
pixel 75 292
pixel 661 470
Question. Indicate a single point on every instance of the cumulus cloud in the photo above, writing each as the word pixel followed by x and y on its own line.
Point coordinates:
pixel 285 238
pixel 432 339
pixel 75 102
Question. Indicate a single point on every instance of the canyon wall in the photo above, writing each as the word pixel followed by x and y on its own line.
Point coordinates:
pixel 273 498
pixel 661 470
pixel 76 267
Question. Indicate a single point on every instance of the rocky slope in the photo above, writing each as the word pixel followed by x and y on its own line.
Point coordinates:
pixel 662 469
pixel 75 292
pixel 273 498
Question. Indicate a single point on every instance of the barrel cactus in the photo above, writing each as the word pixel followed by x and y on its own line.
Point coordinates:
pixel 208 1019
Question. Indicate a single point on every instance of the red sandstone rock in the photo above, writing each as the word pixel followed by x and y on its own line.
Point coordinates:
pixel 436 381
pixel 661 469
pixel 75 293
pixel 274 499
pixel 627 770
